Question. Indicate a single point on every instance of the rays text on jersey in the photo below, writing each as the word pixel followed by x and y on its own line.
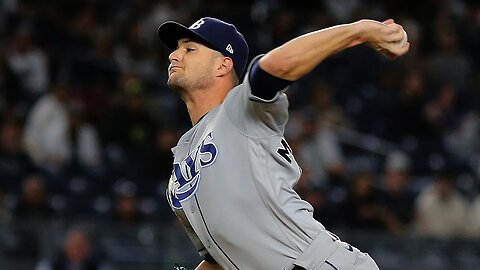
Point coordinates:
pixel 186 174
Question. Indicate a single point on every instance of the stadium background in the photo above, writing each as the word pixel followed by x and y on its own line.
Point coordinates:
pixel 390 149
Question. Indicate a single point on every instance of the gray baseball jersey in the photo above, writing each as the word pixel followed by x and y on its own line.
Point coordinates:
pixel 232 188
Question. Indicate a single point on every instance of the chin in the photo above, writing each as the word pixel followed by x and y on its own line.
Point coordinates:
pixel 175 86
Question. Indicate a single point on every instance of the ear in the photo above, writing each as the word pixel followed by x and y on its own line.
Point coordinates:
pixel 225 66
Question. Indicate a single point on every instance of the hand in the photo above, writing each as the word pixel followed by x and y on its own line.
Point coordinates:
pixel 384 37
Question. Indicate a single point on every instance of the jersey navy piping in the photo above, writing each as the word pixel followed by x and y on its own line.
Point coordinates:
pixel 208 231
pixel 260 100
pixel 196 125
pixel 329 263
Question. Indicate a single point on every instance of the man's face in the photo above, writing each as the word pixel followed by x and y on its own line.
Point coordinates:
pixel 191 66
pixel 77 246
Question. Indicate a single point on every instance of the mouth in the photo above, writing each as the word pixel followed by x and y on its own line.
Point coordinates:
pixel 172 69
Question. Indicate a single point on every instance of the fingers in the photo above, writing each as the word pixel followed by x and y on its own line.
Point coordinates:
pixel 405 48
pixel 401 50
pixel 396 35
pixel 388 38
pixel 389 21
pixel 392 33
pixel 393 51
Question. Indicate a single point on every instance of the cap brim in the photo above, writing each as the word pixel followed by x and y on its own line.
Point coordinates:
pixel 170 32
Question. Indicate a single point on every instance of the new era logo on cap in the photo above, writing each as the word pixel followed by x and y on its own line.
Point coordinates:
pixel 212 32
pixel 229 48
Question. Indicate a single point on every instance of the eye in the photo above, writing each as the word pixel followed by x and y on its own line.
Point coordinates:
pixel 190 49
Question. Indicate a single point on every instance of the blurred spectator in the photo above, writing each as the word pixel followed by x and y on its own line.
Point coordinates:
pixel 283 27
pixel 398 199
pixel 15 164
pixel 472 224
pixel 463 142
pixel 10 94
pixel 325 209
pixel 342 10
pixel 4 211
pixel 472 31
pixel 363 207
pixel 440 209
pixel 33 204
pixel 77 254
pixel 318 149
pixel 46 130
pixel 316 197
pixel 127 211
pixel 449 64
pixel 57 137
pixel 129 124
pixel 158 162
pixel 81 32
pixel 161 11
pixel 95 101
pixel 128 128
pixel 406 116
pixel 440 112
pixel 129 51
pixel 29 63
pixel 322 103
pixel 84 143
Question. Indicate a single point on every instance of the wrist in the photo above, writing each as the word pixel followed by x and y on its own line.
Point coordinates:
pixel 359 33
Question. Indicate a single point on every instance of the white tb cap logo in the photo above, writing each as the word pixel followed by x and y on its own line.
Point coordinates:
pixel 197 24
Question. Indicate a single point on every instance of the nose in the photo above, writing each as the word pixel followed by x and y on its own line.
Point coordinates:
pixel 173 57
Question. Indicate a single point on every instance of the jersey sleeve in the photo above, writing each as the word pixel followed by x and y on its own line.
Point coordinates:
pixel 248 110
pixel 264 86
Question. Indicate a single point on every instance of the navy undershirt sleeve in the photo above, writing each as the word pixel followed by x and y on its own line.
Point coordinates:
pixel 263 84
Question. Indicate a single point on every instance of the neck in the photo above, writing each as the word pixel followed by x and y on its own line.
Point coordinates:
pixel 201 102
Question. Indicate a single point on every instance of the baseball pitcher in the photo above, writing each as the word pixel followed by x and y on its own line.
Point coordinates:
pixel 234 172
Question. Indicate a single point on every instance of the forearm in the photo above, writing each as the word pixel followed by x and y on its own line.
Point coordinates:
pixel 204 265
pixel 299 56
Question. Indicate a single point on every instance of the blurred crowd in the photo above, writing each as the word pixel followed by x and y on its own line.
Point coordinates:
pixel 87 121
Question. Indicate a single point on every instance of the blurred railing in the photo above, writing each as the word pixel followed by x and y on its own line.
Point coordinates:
pixel 413 252
pixel 159 246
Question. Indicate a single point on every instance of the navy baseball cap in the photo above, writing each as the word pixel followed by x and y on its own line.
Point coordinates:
pixel 214 33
